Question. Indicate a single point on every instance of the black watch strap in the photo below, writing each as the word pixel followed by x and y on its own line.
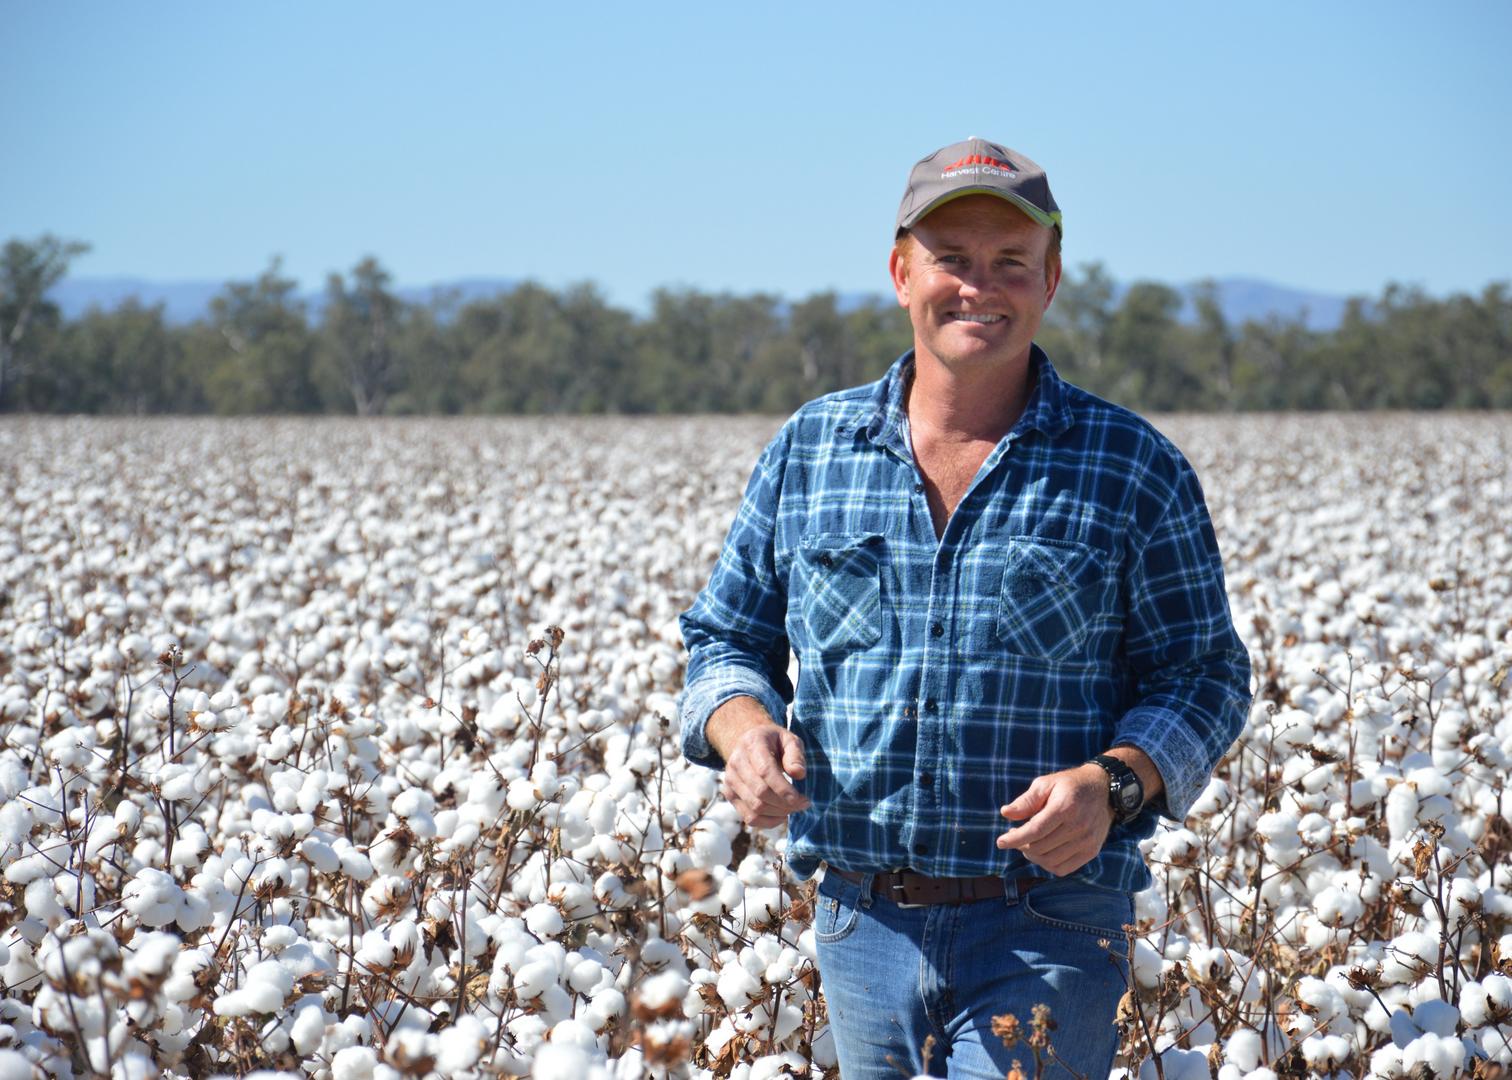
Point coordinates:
pixel 1125 792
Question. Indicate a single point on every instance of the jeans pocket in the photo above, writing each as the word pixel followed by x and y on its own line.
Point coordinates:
pixel 836 910
pixel 1073 905
pixel 1048 597
pixel 841 578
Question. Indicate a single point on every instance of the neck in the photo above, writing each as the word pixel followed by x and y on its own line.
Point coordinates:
pixel 967 404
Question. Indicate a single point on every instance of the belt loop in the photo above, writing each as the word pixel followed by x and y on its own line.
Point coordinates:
pixel 1010 891
pixel 866 889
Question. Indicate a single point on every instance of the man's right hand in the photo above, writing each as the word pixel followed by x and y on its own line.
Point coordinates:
pixel 759 757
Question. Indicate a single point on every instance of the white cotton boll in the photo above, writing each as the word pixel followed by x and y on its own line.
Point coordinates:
pixel 1436 1017
pixel 1278 830
pixel 1325 1052
pixel 1443 1055
pixel 778 1066
pixel 353 1063
pixel 1464 899
pixel 1409 955
pixel 523 795
pixel 573 1033
pixel 153 897
pixel 1243 1049
pixel 662 991
pixel 737 987
pixel 585 975
pixel 1315 830
pixel 1177 1065
pixel 1386 1063
pixel 1148 964
pixel 154 953
pixel 308 1029
pixel 376 950
pixel 127 817
pixel 711 845
pixel 1401 812
pixel 544 920
pixel 565 1062
pixel 1292 728
pixel 462 1045
pixel 320 855
pixel 1338 907
pixel 354 864
pixel 27 869
pixel 534 977
pixel 42 902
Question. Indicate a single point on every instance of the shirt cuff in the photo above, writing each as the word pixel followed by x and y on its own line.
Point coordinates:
pixel 1179 756
pixel 697 703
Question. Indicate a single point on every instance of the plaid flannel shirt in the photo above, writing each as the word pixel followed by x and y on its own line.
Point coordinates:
pixel 1075 602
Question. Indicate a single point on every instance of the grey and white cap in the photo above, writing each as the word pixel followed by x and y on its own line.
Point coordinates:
pixel 978 167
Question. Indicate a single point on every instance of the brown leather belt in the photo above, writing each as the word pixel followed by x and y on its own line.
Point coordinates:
pixel 907 887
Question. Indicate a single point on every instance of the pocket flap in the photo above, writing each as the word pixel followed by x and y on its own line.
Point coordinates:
pixel 1064 562
pixel 816 544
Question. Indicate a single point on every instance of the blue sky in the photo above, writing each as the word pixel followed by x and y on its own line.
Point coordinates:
pixel 1330 146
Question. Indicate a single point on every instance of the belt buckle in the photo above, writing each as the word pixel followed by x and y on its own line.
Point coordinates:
pixel 898 888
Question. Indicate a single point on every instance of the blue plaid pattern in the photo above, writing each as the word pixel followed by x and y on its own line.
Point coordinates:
pixel 1075 602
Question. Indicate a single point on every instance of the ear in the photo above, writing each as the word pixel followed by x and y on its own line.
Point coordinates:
pixel 1052 281
pixel 897 266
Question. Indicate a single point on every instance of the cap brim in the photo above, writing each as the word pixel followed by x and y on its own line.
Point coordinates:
pixel 1050 221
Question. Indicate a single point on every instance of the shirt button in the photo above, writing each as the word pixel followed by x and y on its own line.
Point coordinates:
pixel 938 630
pixel 918 489
pixel 826 560
pixel 931 705
pixel 926 779
pixel 921 849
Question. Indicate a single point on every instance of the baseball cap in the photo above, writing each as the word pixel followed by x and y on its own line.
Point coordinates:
pixel 978 167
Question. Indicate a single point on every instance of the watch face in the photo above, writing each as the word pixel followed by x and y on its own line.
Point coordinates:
pixel 1129 799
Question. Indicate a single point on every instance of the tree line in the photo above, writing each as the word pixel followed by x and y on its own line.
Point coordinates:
pixel 534 350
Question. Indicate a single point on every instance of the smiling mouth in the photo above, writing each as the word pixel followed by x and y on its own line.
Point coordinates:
pixel 983 320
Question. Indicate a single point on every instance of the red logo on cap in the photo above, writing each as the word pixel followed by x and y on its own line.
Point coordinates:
pixel 978 159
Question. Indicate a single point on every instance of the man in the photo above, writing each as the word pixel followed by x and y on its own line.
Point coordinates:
pixel 1007 604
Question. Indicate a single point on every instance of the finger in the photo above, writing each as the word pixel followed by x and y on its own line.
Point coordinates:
pixel 1026 805
pixel 1026 836
pixel 779 788
pixel 752 783
pixel 792 755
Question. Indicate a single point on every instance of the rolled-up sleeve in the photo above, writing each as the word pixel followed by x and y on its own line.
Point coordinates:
pixel 1192 672
pixel 735 631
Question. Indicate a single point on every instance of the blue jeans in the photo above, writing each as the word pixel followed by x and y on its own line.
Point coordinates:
pixel 894 975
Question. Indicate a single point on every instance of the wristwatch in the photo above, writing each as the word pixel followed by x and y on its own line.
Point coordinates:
pixel 1125 792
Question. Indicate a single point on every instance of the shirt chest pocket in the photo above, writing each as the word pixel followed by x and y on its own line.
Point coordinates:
pixel 1050 594
pixel 840 575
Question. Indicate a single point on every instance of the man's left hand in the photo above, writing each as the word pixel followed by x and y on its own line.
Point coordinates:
pixel 1066 816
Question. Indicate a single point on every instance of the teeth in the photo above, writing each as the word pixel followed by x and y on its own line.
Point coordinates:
pixel 977 318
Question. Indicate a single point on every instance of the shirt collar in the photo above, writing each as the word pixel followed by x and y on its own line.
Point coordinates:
pixel 1048 409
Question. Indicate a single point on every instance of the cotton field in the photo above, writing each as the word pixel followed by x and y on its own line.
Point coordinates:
pixel 347 750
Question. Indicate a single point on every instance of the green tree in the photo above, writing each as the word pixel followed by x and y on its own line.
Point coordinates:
pixel 262 362
pixel 126 361
pixel 357 335
pixel 27 273
pixel 1144 356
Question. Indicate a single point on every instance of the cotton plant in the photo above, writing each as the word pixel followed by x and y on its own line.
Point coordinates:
pixel 330 753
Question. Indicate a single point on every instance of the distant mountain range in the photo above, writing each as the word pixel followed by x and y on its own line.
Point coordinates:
pixel 185 301
pixel 1242 299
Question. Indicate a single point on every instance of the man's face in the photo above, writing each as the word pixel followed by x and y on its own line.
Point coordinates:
pixel 975 282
